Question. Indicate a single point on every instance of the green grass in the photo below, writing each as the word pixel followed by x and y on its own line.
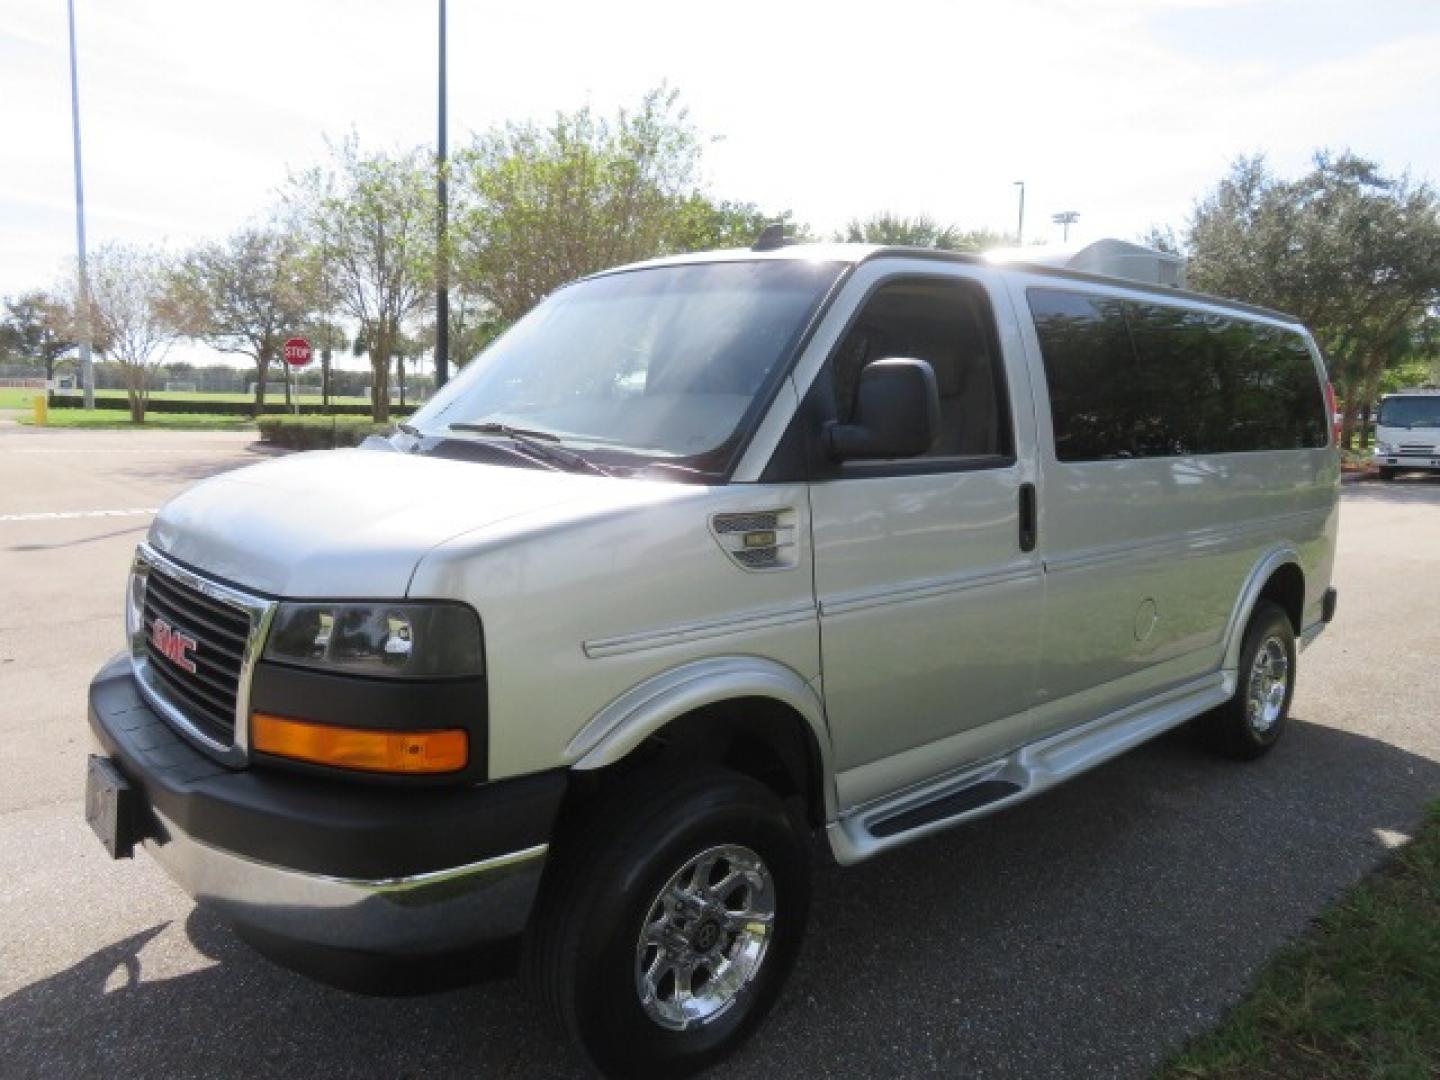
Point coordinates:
pixel 1358 996
pixel 110 418
pixel 14 397
pixel 200 395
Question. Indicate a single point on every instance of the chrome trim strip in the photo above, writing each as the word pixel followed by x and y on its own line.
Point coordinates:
pixel 482 901
pixel 492 865
pixel 260 612
pixel 923 590
pixel 1179 543
pixel 711 628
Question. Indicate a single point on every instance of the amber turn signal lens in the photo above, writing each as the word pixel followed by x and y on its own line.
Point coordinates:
pixel 408 752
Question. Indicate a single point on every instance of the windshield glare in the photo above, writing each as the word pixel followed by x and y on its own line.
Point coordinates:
pixel 665 362
pixel 1410 412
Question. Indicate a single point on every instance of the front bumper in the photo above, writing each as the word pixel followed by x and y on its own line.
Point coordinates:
pixel 334 863
pixel 1407 461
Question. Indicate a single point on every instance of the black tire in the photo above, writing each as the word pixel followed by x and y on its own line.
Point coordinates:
pixel 1386 473
pixel 1234 729
pixel 580 960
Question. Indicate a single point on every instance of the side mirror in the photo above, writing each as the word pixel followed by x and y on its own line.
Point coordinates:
pixel 897 412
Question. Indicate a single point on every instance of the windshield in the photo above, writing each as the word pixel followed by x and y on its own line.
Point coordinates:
pixel 1411 412
pixel 666 363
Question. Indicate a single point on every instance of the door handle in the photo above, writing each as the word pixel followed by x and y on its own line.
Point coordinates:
pixel 1027 517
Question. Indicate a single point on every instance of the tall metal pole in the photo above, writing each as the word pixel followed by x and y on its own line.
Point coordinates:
pixel 442 267
pixel 87 369
pixel 1020 227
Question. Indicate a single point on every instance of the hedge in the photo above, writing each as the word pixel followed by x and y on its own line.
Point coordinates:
pixel 221 408
pixel 319 432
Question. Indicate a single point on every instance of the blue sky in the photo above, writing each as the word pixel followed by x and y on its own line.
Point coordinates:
pixel 1125 110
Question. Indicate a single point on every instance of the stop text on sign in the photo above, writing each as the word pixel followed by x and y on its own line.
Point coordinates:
pixel 297 352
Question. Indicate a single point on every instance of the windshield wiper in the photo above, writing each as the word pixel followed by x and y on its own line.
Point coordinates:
pixel 541 444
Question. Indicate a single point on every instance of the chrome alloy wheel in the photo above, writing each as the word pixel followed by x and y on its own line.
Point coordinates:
pixel 705 937
pixel 1269 680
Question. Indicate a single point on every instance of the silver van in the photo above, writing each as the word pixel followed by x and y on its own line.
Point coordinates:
pixel 710 564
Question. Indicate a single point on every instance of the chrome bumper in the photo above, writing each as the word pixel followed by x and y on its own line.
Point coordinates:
pixel 427 913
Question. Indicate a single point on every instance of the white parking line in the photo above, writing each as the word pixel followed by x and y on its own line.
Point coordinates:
pixel 66 515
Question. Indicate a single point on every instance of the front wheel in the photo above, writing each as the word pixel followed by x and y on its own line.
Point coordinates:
pixel 1386 473
pixel 670 922
pixel 1251 722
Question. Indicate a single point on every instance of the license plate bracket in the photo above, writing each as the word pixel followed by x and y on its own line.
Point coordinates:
pixel 112 807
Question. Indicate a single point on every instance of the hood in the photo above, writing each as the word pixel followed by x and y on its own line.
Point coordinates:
pixel 355 523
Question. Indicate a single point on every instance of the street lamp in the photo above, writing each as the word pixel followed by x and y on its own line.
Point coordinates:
pixel 442 261
pixel 1020 227
pixel 87 370
pixel 1065 219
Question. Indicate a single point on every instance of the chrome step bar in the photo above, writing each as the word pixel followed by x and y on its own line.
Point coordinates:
pixel 960 797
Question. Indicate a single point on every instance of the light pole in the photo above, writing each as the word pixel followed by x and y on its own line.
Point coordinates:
pixel 1065 219
pixel 442 262
pixel 87 369
pixel 1020 226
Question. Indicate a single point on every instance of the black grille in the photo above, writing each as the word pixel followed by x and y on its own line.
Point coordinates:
pixel 207 695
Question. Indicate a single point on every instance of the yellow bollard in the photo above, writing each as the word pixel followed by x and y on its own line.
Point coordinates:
pixel 42 408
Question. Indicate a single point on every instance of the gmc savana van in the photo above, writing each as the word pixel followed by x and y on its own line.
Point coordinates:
pixel 707 563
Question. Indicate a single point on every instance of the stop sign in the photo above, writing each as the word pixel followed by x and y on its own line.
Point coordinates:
pixel 297 352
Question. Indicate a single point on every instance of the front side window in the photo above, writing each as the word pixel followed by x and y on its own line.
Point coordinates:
pixel 660 364
pixel 949 325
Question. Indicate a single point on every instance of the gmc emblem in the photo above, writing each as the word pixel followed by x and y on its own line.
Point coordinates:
pixel 173 645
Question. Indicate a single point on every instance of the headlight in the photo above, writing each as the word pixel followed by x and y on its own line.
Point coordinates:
pixel 135 607
pixel 1383 448
pixel 401 641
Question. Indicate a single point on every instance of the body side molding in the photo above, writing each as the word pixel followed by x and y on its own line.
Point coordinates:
pixel 643 710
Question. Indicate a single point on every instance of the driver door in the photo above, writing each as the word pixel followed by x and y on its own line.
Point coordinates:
pixel 930 604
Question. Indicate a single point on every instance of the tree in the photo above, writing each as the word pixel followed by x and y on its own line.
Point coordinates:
pixel 245 295
pixel 38 325
pixel 402 347
pixel 1353 253
pixel 541 206
pixel 372 217
pixel 538 207
pixel 474 323
pixel 921 231
pixel 702 224
pixel 134 313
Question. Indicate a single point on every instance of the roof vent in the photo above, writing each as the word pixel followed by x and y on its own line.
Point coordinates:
pixel 771 237
pixel 1112 258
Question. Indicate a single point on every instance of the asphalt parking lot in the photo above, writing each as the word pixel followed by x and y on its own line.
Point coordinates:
pixel 1082 934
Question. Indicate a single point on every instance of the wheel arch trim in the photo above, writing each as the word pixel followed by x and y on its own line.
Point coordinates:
pixel 1273 560
pixel 648 707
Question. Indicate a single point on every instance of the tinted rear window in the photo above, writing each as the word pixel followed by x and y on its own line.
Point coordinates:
pixel 1131 380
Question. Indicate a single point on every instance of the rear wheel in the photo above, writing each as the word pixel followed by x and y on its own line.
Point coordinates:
pixel 670 921
pixel 1252 721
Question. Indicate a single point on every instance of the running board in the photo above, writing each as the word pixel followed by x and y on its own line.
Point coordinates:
pixel 958 798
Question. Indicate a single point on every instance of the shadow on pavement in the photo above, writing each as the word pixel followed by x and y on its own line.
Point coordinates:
pixel 80 540
pixel 1406 488
pixel 1083 933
